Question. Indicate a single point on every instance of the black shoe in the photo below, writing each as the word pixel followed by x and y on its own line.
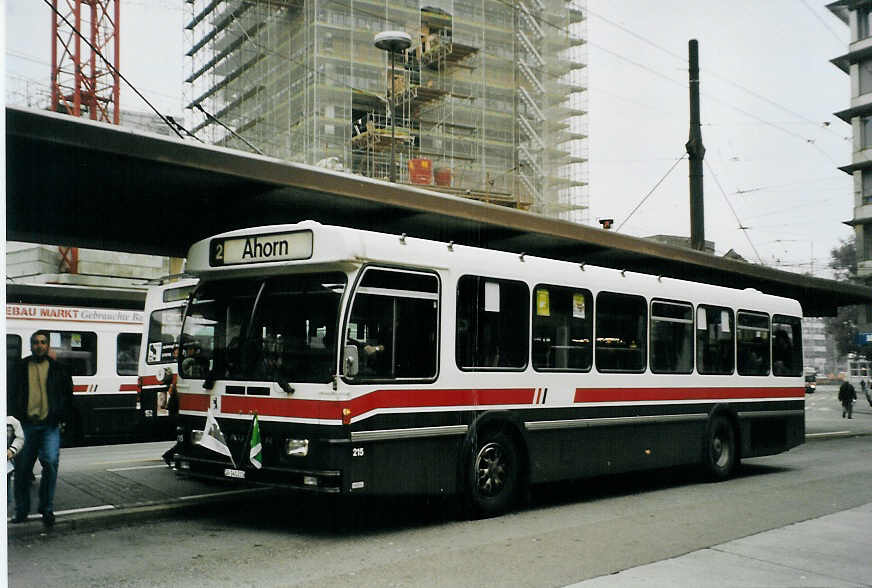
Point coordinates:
pixel 48 519
pixel 19 519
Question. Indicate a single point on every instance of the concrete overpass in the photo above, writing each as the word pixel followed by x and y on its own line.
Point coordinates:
pixel 73 182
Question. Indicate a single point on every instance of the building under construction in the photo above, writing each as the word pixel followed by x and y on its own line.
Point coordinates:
pixel 488 101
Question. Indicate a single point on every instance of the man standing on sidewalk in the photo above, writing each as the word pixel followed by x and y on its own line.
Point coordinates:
pixel 847 396
pixel 40 395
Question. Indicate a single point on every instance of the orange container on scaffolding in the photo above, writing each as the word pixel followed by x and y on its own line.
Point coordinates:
pixel 421 171
pixel 443 176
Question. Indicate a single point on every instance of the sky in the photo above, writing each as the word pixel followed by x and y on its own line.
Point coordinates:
pixel 768 91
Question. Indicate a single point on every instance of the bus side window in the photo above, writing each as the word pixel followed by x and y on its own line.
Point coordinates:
pixel 75 349
pixel 671 337
pixel 752 343
pixel 562 328
pixel 394 323
pixel 127 353
pixel 786 345
pixel 714 340
pixel 492 323
pixel 164 327
pixel 621 321
pixel 13 356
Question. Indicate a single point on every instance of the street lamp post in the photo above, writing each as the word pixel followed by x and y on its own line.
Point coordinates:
pixel 393 42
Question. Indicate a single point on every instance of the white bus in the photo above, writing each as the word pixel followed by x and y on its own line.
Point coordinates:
pixel 100 347
pixel 158 355
pixel 345 361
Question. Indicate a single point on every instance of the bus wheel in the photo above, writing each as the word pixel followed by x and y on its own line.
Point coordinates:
pixel 720 453
pixel 494 481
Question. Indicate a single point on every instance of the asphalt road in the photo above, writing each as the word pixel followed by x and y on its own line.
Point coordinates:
pixel 569 533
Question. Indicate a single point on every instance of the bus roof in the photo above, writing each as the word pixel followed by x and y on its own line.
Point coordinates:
pixel 57 294
pixel 275 248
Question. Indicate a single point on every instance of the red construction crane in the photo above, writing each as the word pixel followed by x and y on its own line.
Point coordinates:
pixel 82 81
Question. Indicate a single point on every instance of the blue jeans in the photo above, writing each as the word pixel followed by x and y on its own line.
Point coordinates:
pixel 41 441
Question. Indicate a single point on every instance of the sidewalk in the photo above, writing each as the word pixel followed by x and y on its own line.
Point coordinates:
pixel 97 492
pixel 830 551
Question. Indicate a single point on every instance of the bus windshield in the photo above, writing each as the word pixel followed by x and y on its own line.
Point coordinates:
pixel 277 329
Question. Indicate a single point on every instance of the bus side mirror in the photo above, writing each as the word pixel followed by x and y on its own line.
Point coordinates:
pixel 350 361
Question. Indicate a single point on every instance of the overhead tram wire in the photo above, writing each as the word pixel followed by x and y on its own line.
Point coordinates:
pixel 228 129
pixel 823 22
pixel 114 70
pixel 651 191
pixel 737 85
pixel 713 73
pixel 742 227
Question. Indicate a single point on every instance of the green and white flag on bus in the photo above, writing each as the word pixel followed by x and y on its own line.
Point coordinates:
pixel 255 456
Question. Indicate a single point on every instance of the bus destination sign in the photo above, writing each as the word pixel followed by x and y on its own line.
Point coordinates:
pixel 261 248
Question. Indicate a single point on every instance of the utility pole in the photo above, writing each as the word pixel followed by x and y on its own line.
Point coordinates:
pixel 696 153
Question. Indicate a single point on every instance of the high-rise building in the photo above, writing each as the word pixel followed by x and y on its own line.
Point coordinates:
pixel 857 63
pixel 488 101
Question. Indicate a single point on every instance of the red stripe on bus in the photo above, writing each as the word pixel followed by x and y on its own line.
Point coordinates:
pixel 332 409
pixel 196 402
pixel 128 388
pixel 150 381
pixel 661 394
pixel 80 388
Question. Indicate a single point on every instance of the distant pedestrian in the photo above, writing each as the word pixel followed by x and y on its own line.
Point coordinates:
pixel 868 392
pixel 40 395
pixel 847 396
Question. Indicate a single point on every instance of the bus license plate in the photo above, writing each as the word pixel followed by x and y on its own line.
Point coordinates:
pixel 229 473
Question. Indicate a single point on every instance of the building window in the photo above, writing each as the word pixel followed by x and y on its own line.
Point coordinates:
pixel 865 76
pixel 866 131
pixel 866 253
pixel 867 187
pixel 863 22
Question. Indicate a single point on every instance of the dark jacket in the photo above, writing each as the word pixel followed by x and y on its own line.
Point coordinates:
pixel 846 392
pixel 59 389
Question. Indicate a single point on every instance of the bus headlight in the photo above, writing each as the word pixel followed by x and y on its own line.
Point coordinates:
pixel 297 447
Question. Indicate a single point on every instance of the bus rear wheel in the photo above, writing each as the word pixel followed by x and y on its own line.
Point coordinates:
pixel 494 478
pixel 721 456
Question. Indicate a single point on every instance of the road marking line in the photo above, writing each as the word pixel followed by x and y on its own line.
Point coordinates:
pixel 150 467
pixel 100 463
pixel 243 491
pixel 830 434
pixel 86 509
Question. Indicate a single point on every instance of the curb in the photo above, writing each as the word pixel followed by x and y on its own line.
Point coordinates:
pixel 835 435
pixel 110 517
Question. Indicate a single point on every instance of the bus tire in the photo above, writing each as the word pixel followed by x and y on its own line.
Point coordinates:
pixel 494 475
pixel 721 456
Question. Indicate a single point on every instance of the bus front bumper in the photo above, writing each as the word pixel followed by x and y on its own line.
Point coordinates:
pixel 317 481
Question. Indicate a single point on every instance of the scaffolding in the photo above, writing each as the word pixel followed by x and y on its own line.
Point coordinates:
pixel 490 97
